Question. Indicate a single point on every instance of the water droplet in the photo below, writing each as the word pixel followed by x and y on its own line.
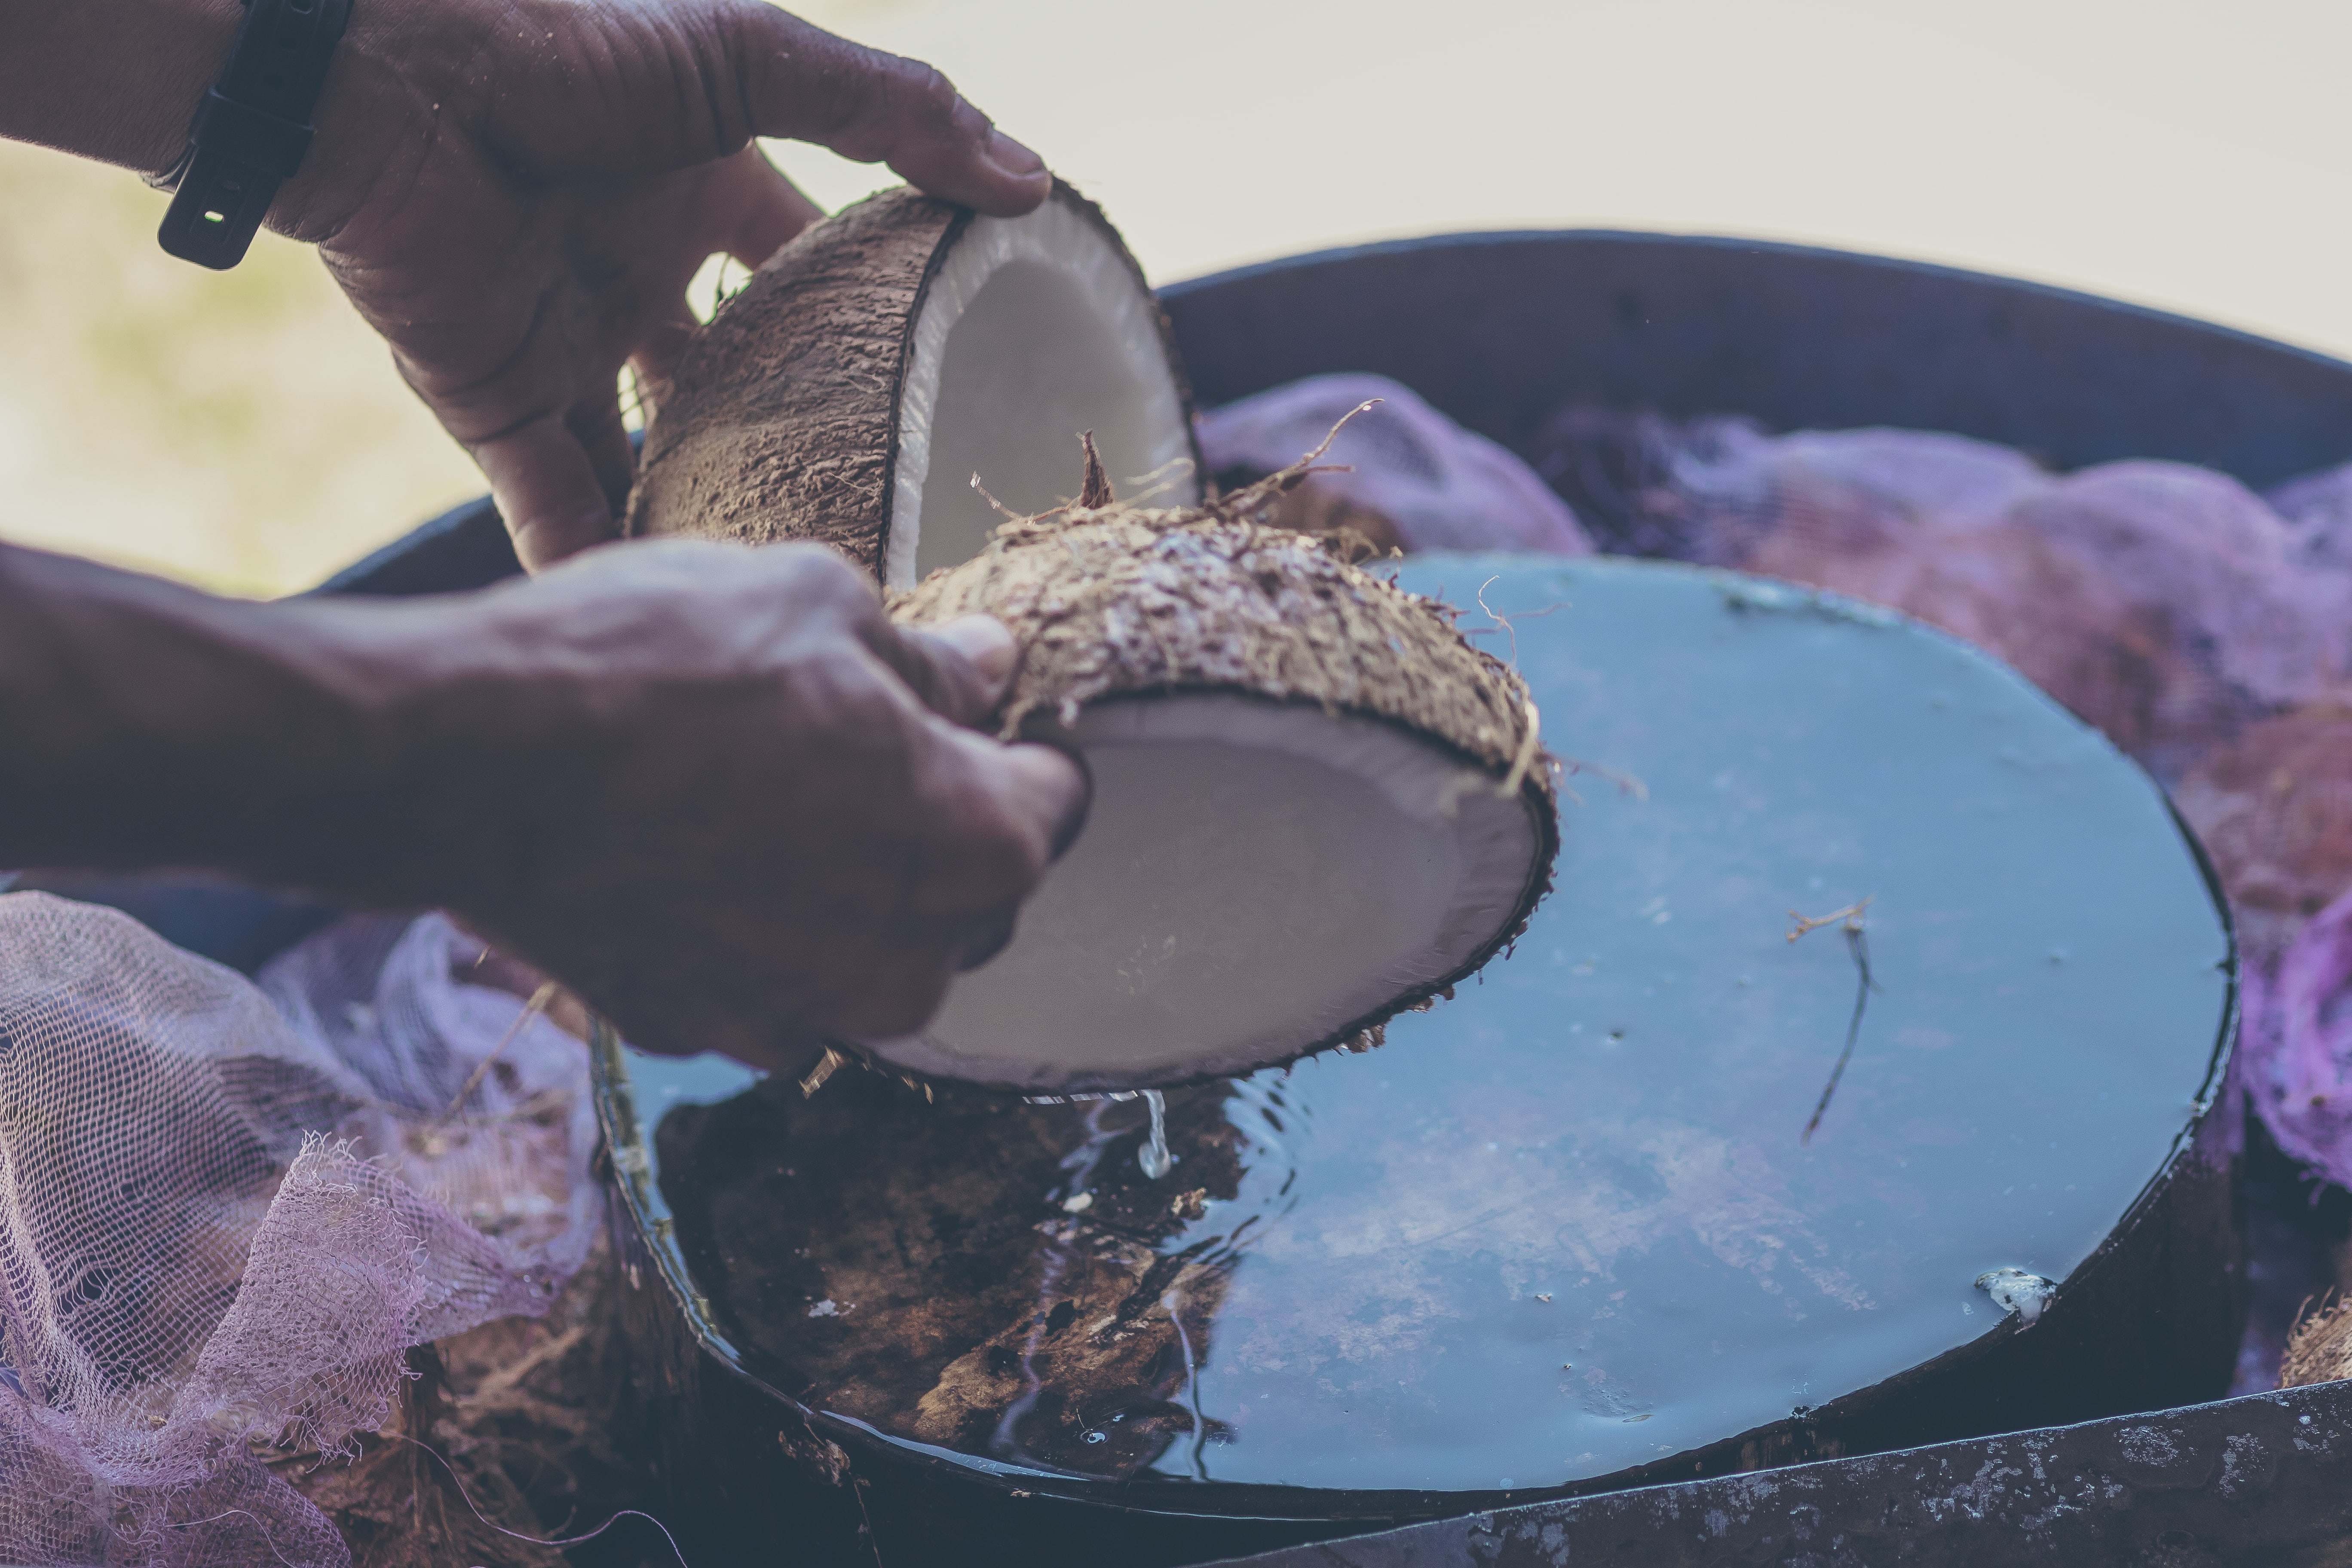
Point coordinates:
pixel 1155 1159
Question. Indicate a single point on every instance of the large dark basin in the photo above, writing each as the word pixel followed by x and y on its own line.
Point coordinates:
pixel 1498 330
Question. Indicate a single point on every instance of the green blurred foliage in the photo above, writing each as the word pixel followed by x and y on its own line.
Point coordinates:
pixel 243 430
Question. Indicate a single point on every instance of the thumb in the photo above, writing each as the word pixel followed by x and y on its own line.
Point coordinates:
pixel 802 83
pixel 960 668
pixel 712 75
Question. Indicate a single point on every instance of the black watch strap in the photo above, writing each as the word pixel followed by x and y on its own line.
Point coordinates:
pixel 252 130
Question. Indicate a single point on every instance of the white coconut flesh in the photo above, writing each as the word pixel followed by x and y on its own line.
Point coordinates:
pixel 1033 329
pixel 1254 878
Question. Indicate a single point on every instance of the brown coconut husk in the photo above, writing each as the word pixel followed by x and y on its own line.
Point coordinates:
pixel 398 1506
pixel 1110 601
pixel 890 1191
pixel 2319 1346
pixel 1357 533
pixel 508 1432
pixel 781 419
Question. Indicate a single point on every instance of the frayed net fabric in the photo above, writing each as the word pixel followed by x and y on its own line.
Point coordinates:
pixel 2298 1035
pixel 218 1236
pixel 403 1005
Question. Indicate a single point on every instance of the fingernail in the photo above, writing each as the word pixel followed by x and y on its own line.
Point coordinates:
pixel 1011 156
pixel 982 640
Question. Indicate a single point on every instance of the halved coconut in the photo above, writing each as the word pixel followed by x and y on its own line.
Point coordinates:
pixel 881 359
pixel 1315 805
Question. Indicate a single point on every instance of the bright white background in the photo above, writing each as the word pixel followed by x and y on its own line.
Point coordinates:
pixel 2194 156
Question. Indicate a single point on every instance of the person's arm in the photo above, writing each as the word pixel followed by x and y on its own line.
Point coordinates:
pixel 516 193
pixel 710 788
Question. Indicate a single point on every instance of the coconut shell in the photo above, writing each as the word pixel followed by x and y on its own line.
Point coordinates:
pixel 1127 602
pixel 1119 602
pixel 781 419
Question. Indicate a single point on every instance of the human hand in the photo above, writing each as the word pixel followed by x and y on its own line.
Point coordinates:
pixel 712 789
pixel 719 794
pixel 517 193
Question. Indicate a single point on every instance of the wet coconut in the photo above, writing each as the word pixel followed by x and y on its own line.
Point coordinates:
pixel 1315 803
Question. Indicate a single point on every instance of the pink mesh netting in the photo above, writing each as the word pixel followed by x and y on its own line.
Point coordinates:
pixel 2297 1065
pixel 2275 810
pixel 2318 510
pixel 2159 601
pixel 404 1007
pixel 214 1228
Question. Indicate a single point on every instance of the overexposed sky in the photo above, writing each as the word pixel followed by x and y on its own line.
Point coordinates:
pixel 2190 155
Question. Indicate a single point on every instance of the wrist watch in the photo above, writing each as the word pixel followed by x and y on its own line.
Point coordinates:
pixel 251 131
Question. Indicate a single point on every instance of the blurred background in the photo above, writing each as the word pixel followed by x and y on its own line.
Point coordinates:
pixel 246 432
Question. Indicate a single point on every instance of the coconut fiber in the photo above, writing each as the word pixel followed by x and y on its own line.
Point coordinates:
pixel 1107 600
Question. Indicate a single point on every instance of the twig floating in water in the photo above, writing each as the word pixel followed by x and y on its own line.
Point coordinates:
pixel 1857 943
pixel 1852 914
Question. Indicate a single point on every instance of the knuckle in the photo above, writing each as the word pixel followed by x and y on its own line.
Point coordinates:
pixel 925 91
pixel 846 698
pixel 823 575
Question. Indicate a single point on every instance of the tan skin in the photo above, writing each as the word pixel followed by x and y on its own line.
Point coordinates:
pixel 712 789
